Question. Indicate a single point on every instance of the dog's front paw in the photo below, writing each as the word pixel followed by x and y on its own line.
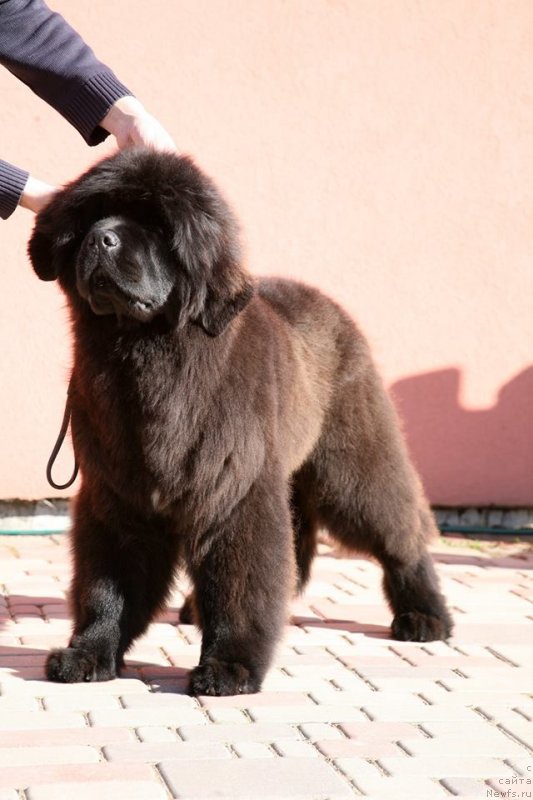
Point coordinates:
pixel 73 665
pixel 413 626
pixel 214 677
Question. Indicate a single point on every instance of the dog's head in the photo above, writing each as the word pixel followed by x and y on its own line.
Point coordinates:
pixel 140 235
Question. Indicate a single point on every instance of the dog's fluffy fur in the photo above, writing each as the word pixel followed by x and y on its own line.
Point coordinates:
pixel 218 424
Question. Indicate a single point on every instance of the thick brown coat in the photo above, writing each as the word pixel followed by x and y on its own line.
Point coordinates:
pixel 218 424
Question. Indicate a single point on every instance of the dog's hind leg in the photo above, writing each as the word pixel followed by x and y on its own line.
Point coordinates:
pixel 370 499
pixel 305 525
pixel 187 613
pixel 123 568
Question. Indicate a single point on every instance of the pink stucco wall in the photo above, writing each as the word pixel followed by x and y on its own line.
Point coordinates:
pixel 381 149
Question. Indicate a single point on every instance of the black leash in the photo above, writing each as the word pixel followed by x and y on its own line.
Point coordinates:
pixel 57 447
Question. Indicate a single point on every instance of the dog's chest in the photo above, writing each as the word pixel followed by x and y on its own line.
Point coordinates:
pixel 200 461
pixel 162 437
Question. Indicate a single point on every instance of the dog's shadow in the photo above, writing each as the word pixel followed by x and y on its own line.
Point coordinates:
pixel 368 629
pixel 26 661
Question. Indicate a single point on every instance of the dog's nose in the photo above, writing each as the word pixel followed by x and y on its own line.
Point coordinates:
pixel 105 239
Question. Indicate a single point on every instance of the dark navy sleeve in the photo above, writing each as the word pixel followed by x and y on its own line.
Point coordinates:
pixel 12 182
pixel 41 49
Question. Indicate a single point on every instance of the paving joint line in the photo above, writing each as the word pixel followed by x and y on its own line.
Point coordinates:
pixel 178 734
pixel 338 726
pixel 341 588
pixel 208 713
pixel 377 763
pixel 457 648
pixel 231 749
pixel 367 714
pixel 508 763
pixel 354 581
pixel 164 653
pixel 400 655
pixel 439 782
pixel 423 698
pixel 460 674
pixel 500 657
pixel 404 749
pixel 340 772
pixel 358 788
pixel 204 711
pixel 517 594
pixel 458 610
pixel 501 727
pixel 247 716
pixel 136 735
pixel 367 681
pixel 330 761
pixel 160 780
pixel 479 711
pixel 312 699
pixel 442 781
pixel 460 581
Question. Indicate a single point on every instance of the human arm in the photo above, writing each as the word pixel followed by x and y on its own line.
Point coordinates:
pixel 18 187
pixel 12 183
pixel 41 49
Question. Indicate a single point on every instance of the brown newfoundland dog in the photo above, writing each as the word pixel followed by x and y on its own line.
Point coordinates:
pixel 218 423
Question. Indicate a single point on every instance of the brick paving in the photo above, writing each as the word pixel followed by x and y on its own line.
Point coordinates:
pixel 345 712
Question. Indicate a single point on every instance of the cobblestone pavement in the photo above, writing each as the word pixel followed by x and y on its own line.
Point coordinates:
pixel 345 710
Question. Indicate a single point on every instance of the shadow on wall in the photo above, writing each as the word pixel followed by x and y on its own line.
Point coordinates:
pixel 469 457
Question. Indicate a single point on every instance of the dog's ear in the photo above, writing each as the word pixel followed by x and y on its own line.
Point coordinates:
pixel 205 240
pixel 48 245
pixel 219 287
pixel 40 249
pixel 221 307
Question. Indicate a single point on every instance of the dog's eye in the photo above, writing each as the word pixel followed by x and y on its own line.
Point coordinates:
pixel 157 230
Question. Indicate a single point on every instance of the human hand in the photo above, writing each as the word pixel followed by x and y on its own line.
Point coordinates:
pixel 36 194
pixel 131 124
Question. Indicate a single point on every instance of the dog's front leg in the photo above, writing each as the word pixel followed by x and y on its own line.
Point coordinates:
pixel 92 654
pixel 242 582
pixel 123 568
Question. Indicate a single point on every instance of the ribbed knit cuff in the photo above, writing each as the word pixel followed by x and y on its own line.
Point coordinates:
pixel 12 183
pixel 90 105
